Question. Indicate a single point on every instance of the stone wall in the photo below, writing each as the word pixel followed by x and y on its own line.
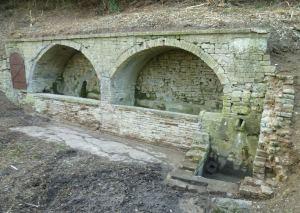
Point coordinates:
pixel 153 126
pixel 3 74
pixel 161 127
pixel 237 57
pixel 275 150
pixel 77 70
pixel 5 79
pixel 62 70
pixel 178 81
pixel 233 141
pixel 81 111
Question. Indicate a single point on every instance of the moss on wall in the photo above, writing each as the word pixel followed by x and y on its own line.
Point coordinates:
pixel 234 139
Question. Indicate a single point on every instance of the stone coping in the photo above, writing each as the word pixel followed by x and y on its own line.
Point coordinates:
pixel 66 98
pixel 171 115
pixel 147 33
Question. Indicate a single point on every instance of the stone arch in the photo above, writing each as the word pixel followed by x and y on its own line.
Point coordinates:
pixel 124 73
pixel 54 61
pixel 173 43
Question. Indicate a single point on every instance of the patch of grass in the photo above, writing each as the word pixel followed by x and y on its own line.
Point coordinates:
pixel 16 152
pixel 113 6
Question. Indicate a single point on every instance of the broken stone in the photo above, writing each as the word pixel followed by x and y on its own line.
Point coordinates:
pixel 266 190
pixel 231 205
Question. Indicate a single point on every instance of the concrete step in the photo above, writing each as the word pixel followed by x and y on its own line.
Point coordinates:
pixel 188 180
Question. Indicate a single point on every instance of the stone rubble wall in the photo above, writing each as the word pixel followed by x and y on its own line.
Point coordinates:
pixel 275 150
pixel 179 78
pixel 160 127
pixel 154 126
pixel 77 70
pixel 81 111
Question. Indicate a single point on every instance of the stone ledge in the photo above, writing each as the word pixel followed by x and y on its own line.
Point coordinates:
pixel 173 115
pixel 148 33
pixel 65 98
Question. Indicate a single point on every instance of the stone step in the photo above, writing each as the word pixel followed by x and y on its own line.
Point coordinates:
pixel 195 154
pixel 188 165
pixel 202 138
pixel 211 185
pixel 198 153
pixel 185 186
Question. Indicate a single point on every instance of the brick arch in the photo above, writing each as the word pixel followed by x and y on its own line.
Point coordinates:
pixel 124 73
pixel 44 49
pixel 174 43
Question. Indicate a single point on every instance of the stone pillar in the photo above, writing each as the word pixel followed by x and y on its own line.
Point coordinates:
pixel 5 79
pixel 274 143
pixel 105 89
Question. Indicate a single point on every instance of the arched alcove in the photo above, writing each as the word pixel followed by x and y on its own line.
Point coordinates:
pixel 167 78
pixel 66 71
pixel 178 81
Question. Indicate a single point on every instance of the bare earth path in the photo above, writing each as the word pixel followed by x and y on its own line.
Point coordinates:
pixel 113 149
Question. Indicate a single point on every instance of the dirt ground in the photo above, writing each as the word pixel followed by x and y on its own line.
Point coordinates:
pixel 37 176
